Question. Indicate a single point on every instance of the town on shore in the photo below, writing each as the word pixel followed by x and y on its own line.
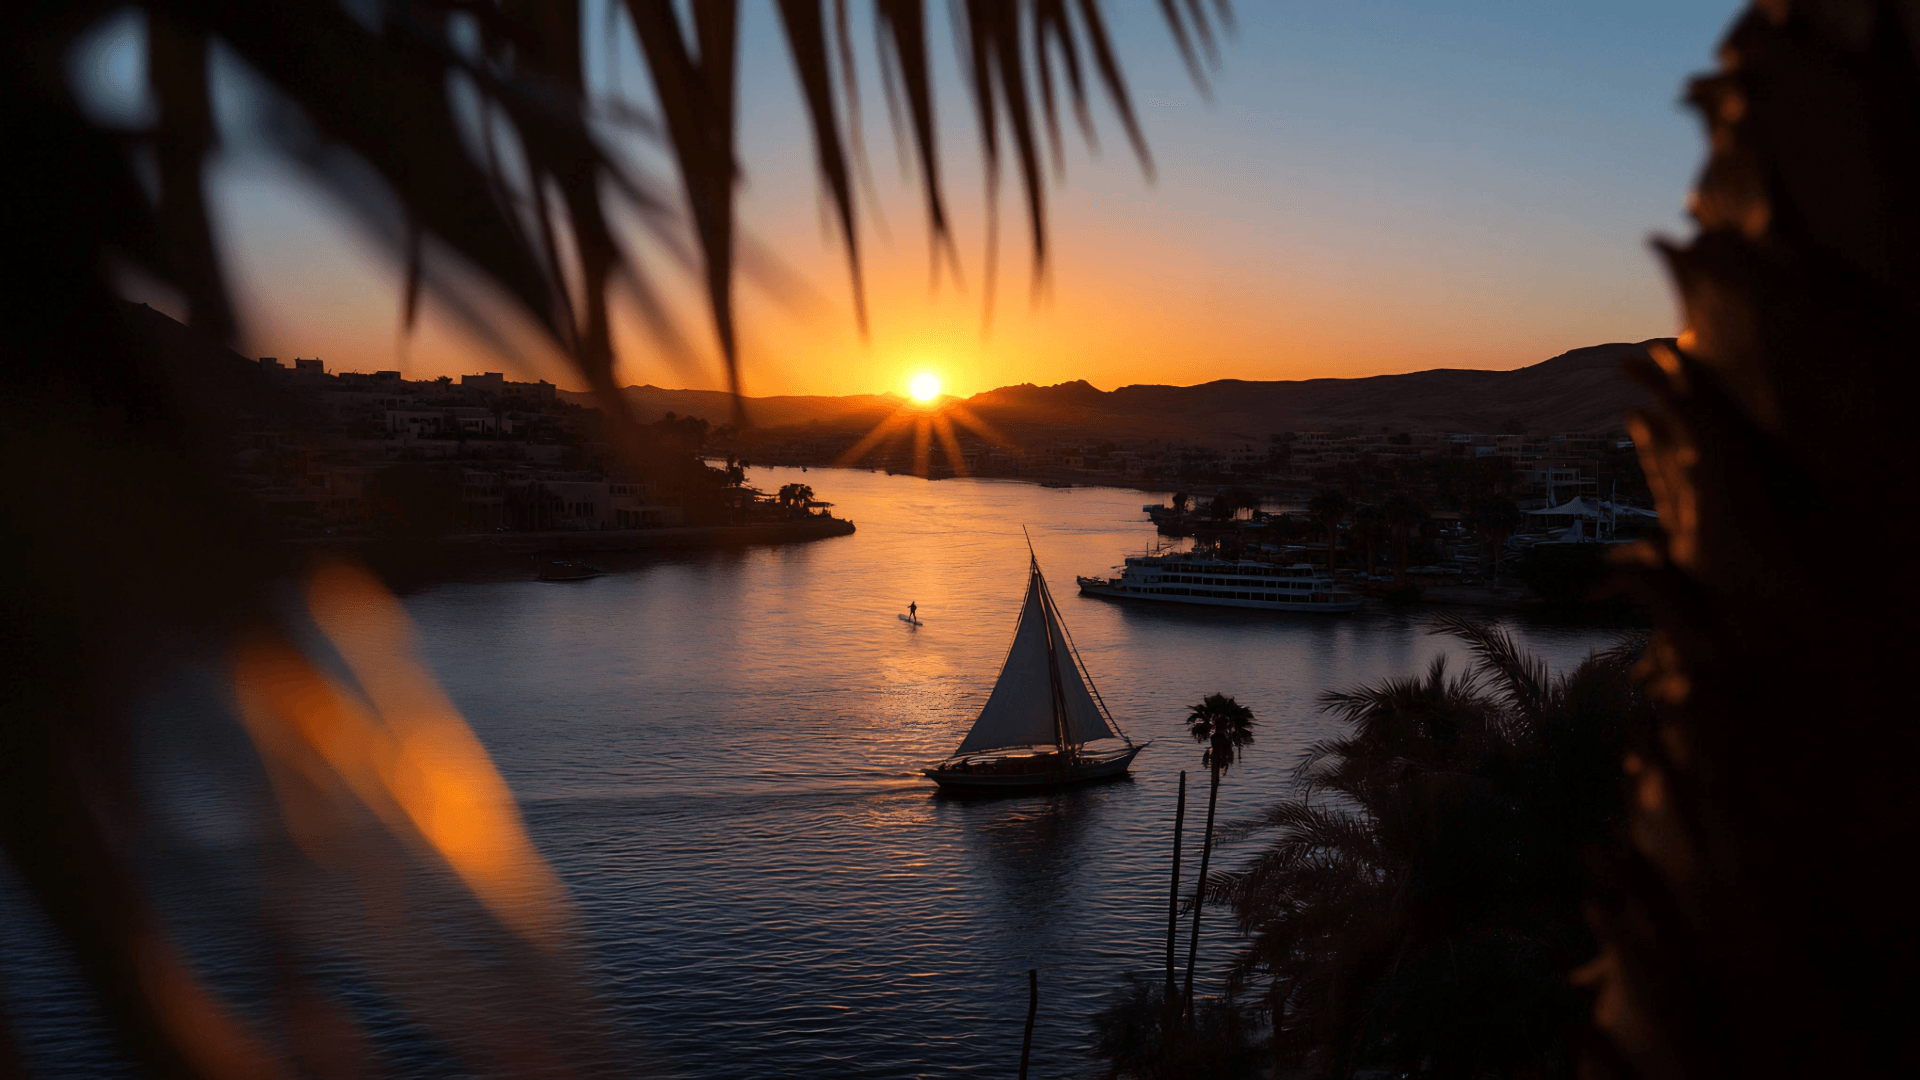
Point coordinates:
pixel 1491 519
pixel 335 457
pixel 339 457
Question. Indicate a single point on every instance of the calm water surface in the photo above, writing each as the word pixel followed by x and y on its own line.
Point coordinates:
pixel 719 755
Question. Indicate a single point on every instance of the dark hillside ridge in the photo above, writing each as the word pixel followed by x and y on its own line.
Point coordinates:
pixel 1580 390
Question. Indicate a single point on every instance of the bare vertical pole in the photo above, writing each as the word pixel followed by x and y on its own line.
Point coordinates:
pixel 1173 895
pixel 1033 1006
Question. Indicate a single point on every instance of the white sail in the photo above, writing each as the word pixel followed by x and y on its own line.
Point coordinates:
pixel 1085 721
pixel 1021 709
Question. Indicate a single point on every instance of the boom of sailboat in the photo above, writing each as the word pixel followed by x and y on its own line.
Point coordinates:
pixel 1045 724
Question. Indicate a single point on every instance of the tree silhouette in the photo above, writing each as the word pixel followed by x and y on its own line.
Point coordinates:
pixel 1403 514
pixel 1329 507
pixel 794 496
pixel 1497 517
pixel 1419 905
pixel 1758 934
pixel 1369 529
pixel 1226 727
pixel 466 140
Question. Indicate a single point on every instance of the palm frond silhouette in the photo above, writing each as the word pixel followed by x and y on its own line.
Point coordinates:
pixel 1416 905
pixel 467 140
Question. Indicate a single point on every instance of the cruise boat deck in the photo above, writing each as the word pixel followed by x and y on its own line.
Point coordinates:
pixel 1204 579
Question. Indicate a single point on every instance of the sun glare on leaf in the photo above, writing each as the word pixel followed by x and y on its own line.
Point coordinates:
pixel 925 386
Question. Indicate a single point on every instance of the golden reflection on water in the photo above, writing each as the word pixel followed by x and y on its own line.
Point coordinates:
pixel 720 754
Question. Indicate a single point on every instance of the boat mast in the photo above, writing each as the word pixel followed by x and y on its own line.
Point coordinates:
pixel 1058 696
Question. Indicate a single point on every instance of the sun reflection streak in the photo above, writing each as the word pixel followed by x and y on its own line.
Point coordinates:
pixel 399 746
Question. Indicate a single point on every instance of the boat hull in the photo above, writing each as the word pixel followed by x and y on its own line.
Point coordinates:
pixel 1028 779
pixel 1107 590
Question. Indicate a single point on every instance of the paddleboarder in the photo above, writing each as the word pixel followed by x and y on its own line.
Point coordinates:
pixel 913 610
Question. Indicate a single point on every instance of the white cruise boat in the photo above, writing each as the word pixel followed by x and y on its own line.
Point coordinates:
pixel 1201 578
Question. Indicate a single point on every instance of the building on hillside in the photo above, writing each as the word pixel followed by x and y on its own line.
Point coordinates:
pixel 634 507
pixel 582 504
pixel 482 500
pixel 416 423
pixel 438 423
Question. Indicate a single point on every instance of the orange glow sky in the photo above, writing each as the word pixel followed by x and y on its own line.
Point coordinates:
pixel 1374 188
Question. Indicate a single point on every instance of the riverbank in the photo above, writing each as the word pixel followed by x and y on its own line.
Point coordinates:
pixel 505 555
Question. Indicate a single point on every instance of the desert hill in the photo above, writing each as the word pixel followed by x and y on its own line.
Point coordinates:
pixel 1580 390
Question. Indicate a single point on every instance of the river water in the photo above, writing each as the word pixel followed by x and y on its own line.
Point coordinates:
pixel 719 755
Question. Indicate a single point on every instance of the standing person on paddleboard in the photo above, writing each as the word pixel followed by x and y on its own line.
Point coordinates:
pixel 913 610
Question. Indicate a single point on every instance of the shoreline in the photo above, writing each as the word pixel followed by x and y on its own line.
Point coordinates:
pixel 1062 479
pixel 408 563
pixel 668 537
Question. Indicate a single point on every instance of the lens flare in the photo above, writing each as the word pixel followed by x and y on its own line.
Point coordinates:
pixel 925 386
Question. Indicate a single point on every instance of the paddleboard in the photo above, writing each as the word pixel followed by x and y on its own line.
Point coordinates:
pixel 911 621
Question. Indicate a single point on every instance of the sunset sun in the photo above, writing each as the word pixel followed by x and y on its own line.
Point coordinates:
pixel 925 386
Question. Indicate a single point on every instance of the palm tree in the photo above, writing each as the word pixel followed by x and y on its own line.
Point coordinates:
pixel 1369 528
pixel 470 145
pixel 1497 517
pixel 1402 512
pixel 1226 727
pixel 1797 363
pixel 1419 907
pixel 1330 507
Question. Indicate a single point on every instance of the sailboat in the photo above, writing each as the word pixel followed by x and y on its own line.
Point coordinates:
pixel 1045 724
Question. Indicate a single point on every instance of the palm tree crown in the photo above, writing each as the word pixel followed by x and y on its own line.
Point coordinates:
pixel 1420 899
pixel 1224 725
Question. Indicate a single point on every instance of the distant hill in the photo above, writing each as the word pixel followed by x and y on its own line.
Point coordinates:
pixel 1581 390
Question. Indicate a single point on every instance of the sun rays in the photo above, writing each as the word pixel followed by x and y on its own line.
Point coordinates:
pixel 922 423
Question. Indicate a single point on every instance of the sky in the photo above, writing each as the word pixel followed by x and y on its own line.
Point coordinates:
pixel 1370 188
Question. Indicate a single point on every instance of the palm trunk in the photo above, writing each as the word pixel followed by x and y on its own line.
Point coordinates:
pixel 1033 1006
pixel 1199 894
pixel 1173 894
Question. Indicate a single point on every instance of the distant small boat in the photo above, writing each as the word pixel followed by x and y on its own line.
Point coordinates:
pixel 1044 725
pixel 567 570
pixel 913 620
pixel 1056 483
